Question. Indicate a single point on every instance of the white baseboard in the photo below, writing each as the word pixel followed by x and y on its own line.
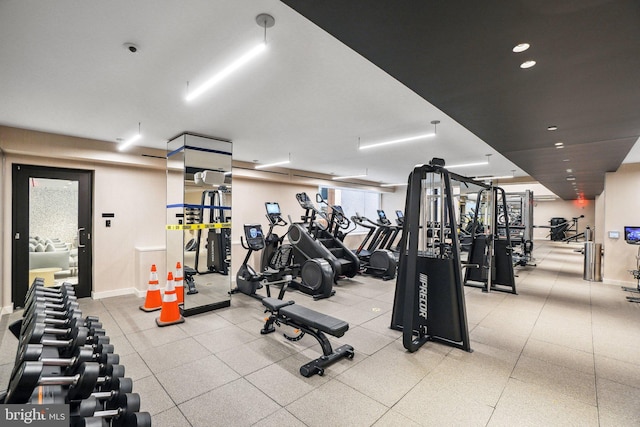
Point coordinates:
pixel 6 310
pixel 117 293
pixel 626 283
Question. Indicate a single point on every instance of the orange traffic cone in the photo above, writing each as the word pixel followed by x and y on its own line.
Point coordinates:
pixel 153 300
pixel 179 281
pixel 170 313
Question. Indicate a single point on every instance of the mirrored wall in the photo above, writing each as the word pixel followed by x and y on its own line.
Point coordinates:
pixel 199 219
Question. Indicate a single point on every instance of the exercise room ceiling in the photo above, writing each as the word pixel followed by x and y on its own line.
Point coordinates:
pixel 458 56
pixel 64 69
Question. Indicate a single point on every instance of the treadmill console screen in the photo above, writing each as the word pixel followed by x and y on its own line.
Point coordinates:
pixel 272 208
pixel 632 235
pixel 254 236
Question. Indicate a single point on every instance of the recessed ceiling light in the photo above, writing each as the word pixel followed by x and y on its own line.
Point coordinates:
pixel 528 64
pixel 566 160
pixel 569 170
pixel 553 127
pixel 571 178
pixel 559 143
pixel 521 47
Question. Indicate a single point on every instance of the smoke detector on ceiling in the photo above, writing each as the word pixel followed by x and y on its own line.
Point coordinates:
pixel 131 47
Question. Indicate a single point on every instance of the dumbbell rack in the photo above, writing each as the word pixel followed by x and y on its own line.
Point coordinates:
pixel 65 358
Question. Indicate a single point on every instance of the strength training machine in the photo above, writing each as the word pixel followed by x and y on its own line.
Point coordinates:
pixel 429 299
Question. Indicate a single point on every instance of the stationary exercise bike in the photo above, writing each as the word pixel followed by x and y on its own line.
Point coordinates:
pixel 248 281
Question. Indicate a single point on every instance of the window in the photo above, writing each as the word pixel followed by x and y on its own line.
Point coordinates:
pixel 365 203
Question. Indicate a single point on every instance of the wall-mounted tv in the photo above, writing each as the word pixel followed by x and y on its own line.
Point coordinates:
pixel 632 235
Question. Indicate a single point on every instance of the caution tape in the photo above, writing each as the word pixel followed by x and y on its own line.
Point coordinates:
pixel 198 226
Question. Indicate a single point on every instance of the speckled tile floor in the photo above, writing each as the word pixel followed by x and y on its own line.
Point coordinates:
pixel 562 352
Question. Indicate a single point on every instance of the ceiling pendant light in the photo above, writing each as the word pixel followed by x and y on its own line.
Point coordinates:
pixel 401 140
pixel 126 144
pixel 337 178
pixel 264 20
pixel 268 165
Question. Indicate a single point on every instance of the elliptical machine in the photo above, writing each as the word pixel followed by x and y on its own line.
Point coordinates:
pixel 277 262
pixel 374 261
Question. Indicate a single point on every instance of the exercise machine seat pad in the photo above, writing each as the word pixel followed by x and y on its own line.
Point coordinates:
pixel 308 317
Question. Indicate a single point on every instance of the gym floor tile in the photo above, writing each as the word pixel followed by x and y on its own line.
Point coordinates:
pixel 429 405
pixel 170 418
pixel 154 399
pixel 282 381
pixel 336 404
pixel 173 354
pixel 196 325
pixel 237 403
pixel 394 419
pixel 364 340
pixel 255 355
pixel 618 402
pixel 500 338
pixel 618 371
pixel 194 378
pixel 578 338
pixel 155 337
pixel 390 373
pixel 224 339
pixel 560 355
pixel 381 325
pixel 281 418
pixel 557 378
pixel 135 367
pixel 528 404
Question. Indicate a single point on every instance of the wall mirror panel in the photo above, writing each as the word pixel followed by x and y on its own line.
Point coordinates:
pixel 199 219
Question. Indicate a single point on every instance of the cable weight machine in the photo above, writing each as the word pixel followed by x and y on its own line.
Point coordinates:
pixel 490 256
pixel 429 299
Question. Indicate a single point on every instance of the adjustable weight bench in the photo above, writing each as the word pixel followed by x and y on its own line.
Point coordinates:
pixel 310 322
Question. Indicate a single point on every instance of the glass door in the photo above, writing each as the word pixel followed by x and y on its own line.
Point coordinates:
pixel 51 228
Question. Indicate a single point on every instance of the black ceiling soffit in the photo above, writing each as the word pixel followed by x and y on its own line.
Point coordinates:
pixel 458 56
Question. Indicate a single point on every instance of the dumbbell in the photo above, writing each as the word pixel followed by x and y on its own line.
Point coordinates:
pixel 64 289
pixel 39 295
pixel 98 399
pixel 60 307
pixel 69 310
pixel 35 335
pixel 29 376
pixel 34 352
pixel 73 322
pixel 123 411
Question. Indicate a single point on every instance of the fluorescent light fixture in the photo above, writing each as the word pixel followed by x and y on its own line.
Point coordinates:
pixel 349 176
pixel 552 128
pixel 393 185
pixel 571 178
pixel 559 143
pixel 465 165
pixel 521 47
pixel 528 64
pixel 569 170
pixel 255 51
pixel 488 178
pixel 397 141
pixel 268 165
pixel 123 146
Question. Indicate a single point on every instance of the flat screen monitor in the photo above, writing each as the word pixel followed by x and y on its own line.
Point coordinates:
pixel 399 214
pixel 273 208
pixel 632 235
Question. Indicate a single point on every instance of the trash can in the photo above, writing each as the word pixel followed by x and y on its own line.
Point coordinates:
pixel 597 262
pixel 592 262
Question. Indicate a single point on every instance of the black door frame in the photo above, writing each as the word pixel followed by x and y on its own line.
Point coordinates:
pixel 20 226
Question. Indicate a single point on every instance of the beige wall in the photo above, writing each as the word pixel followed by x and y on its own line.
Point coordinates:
pixel 544 210
pixel 127 184
pixel 622 207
